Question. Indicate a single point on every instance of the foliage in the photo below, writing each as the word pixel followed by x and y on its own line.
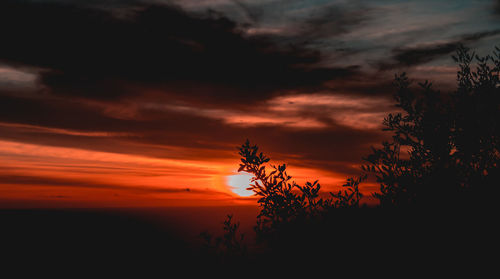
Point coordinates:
pixel 451 141
pixel 282 200
pixel 230 246
pixel 350 197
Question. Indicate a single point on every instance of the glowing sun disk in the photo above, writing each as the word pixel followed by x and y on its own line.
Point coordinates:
pixel 239 183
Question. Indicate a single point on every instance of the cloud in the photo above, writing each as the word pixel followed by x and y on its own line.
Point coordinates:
pixel 110 53
pixel 186 135
pixel 252 13
pixel 332 20
pixel 298 111
pixel 408 57
pixel 315 25
pixel 9 179
pixel 12 79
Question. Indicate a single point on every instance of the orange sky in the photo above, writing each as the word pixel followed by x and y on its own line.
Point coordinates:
pixel 43 176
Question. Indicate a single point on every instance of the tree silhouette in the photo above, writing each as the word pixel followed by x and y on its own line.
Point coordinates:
pixel 283 201
pixel 450 141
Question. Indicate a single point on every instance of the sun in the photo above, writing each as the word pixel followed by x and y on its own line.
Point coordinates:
pixel 239 183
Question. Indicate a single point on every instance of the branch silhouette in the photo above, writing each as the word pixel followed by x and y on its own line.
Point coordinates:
pixel 282 200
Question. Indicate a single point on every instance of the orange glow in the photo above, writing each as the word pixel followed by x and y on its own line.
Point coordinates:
pixel 34 175
pixel 57 175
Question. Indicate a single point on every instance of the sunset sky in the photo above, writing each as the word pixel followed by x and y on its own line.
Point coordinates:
pixel 143 103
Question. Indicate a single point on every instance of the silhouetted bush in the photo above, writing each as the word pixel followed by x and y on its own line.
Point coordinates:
pixel 445 147
pixel 283 201
pixel 227 248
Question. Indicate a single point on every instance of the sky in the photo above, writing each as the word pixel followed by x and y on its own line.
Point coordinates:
pixel 143 103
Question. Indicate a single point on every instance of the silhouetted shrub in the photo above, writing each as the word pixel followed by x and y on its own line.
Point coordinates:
pixel 445 147
pixel 230 246
pixel 282 201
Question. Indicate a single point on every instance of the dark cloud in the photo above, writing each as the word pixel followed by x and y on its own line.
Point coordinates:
pixel 252 13
pixel 408 57
pixel 332 21
pixel 57 113
pixel 365 85
pixel 95 53
pixel 318 29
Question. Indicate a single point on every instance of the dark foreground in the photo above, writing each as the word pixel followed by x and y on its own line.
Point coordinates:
pixel 72 243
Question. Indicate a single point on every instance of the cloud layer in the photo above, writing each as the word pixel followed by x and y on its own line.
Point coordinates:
pixel 99 54
pixel 183 83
